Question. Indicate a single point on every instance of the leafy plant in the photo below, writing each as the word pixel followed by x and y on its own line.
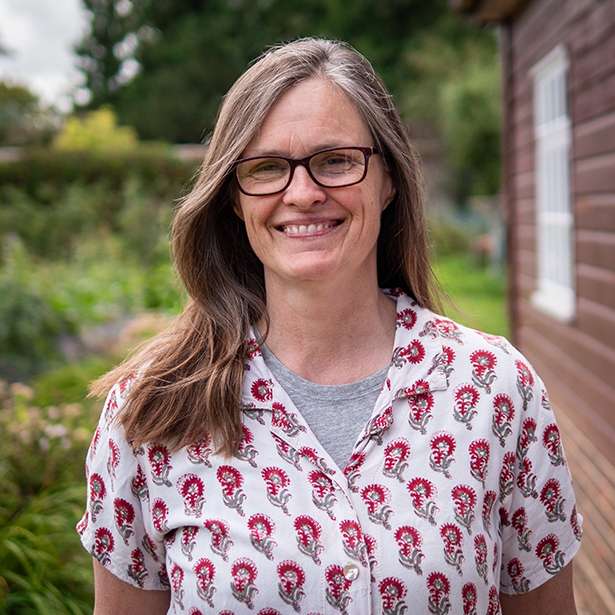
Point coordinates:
pixel 96 131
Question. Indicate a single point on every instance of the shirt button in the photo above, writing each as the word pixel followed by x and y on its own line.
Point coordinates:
pixel 351 572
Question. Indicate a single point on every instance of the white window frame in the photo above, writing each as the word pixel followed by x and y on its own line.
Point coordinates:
pixel 555 291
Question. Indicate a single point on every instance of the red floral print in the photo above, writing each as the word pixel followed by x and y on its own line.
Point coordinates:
pixel 526 479
pixel 422 495
pixel 352 470
pixel 483 369
pixel 552 442
pixel 420 403
pixel 277 481
pixel 519 523
pixel 479 459
pixel 409 541
pixel 452 539
pixel 103 545
pixel 376 498
pixel 488 503
pixel 231 480
pixel 443 447
pixel 464 498
pixel 507 476
pixel 547 550
pixel 527 437
pixel 205 572
pixel 244 573
pixel 138 485
pixel 406 318
pixel 290 586
pixel 192 491
pixel 515 572
pixel 480 556
pixel 137 570
pixel 160 464
pixel 200 451
pixel 337 588
pixel 262 390
pixel 503 415
pixel 308 532
pixel 124 514
pixel 352 538
pixel 525 383
pixel 442 327
pixel 261 530
pixel 97 494
pixel 160 512
pixel 323 492
pixel 220 540
pixel 285 420
pixel 392 593
pixel 466 404
pixel 395 455
pixel 438 587
pixel 188 540
pixel 457 489
pixel 469 597
pixel 113 460
pixel 553 502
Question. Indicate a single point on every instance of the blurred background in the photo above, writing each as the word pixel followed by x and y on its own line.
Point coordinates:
pixel 104 109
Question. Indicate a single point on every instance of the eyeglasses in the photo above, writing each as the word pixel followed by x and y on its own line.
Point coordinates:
pixel 330 168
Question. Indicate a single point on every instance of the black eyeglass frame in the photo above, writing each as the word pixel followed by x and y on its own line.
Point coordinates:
pixel 305 163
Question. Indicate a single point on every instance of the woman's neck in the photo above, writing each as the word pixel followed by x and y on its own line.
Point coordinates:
pixel 330 333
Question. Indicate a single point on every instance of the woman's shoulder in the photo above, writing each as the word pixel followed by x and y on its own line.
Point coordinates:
pixel 490 361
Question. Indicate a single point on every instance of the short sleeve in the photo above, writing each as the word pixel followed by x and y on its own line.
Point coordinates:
pixel 541 527
pixel 114 526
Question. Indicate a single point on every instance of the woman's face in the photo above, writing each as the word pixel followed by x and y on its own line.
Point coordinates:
pixel 312 116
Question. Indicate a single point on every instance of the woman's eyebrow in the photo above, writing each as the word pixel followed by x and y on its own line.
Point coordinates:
pixel 284 153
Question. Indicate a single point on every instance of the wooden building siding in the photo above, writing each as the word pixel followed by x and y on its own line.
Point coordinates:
pixel 576 359
pixel 586 345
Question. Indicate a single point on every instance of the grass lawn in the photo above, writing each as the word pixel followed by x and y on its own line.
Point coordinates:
pixel 478 295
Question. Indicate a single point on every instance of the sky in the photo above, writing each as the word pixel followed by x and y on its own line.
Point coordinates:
pixel 39 35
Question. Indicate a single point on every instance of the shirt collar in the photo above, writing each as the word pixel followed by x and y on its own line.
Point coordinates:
pixel 417 364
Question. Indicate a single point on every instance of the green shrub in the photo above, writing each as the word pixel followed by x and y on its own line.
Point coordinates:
pixel 42 303
pixel 96 131
pixel 44 173
pixel 448 237
pixel 52 223
pixel 43 569
pixel 29 325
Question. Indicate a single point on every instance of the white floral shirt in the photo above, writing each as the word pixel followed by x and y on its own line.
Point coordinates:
pixel 457 489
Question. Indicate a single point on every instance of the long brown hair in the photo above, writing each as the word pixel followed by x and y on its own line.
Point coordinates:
pixel 190 377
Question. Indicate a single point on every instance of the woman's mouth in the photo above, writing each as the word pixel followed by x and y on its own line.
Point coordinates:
pixel 308 230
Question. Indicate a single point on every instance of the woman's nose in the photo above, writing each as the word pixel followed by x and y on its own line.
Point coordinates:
pixel 303 191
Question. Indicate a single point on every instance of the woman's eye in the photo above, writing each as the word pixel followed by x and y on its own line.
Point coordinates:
pixel 266 168
pixel 337 161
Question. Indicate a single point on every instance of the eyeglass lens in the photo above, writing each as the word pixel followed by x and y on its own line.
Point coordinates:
pixel 330 169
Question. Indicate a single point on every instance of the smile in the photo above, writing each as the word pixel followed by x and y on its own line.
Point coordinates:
pixel 308 229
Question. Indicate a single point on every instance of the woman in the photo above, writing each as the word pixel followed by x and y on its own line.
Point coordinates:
pixel 372 456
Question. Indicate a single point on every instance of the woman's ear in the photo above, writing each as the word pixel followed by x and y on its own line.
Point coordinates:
pixel 237 209
pixel 392 194
pixel 236 205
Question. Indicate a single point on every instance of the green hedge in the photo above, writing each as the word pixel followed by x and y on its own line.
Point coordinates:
pixel 41 172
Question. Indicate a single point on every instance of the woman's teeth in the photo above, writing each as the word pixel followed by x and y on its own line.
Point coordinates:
pixel 300 229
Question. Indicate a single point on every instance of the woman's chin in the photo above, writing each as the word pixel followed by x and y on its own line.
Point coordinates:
pixel 309 270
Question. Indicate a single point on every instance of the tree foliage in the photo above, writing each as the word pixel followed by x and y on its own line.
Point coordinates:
pixel 23 120
pixel 187 53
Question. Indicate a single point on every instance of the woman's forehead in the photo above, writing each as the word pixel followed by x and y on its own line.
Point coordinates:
pixel 312 115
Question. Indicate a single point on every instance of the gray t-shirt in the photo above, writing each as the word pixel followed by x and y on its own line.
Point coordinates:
pixel 335 413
